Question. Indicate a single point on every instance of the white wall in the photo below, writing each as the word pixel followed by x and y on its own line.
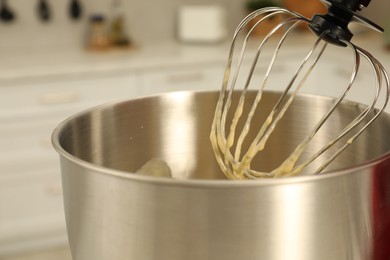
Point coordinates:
pixel 147 20
pixel 378 11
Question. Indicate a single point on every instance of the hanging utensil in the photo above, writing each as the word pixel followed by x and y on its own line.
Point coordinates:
pixel 6 14
pixel 75 9
pixel 44 12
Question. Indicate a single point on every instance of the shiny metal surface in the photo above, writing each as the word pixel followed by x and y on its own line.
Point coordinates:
pixel 112 214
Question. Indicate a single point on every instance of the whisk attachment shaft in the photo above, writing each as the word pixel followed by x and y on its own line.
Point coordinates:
pixel 227 138
pixel 340 14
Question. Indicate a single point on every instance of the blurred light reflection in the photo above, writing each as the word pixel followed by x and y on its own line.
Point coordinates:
pixel 178 134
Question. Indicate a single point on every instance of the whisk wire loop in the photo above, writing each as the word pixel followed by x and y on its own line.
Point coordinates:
pixel 237 164
pixel 380 77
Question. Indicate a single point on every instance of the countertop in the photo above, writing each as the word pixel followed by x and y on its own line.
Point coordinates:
pixel 68 60
pixel 62 253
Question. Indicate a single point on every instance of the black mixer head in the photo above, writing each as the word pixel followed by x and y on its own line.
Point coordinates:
pixel 336 21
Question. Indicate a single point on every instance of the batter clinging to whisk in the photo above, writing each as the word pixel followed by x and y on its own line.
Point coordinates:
pixel 330 28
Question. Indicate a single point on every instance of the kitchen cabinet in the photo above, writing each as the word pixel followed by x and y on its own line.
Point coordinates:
pixel 193 77
pixel 332 76
pixel 57 94
pixel 279 76
pixel 209 77
pixel 31 207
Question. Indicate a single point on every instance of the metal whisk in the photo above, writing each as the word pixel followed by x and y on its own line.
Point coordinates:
pixel 331 29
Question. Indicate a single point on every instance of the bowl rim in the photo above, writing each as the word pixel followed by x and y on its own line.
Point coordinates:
pixel 223 183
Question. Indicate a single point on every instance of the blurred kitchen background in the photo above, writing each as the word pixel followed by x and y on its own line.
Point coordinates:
pixel 145 21
pixel 58 57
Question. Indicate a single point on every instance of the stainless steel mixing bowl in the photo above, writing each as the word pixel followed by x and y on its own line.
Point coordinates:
pixel 113 214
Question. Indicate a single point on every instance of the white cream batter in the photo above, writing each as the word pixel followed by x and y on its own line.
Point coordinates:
pixel 155 167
